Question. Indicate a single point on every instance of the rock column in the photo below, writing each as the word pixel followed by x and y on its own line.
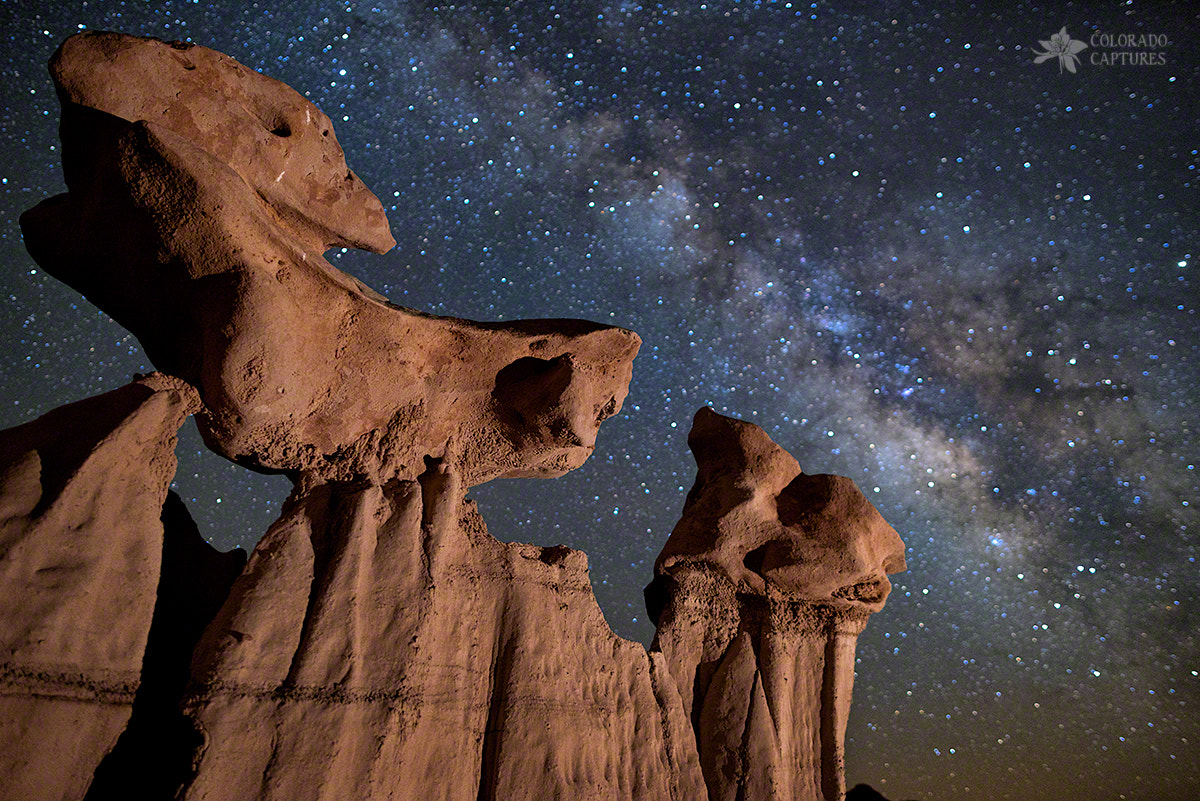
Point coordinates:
pixel 81 544
pixel 760 595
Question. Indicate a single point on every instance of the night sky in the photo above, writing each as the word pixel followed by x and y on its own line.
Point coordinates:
pixel 881 231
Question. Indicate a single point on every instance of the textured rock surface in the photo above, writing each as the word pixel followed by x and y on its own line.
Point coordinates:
pixel 176 225
pixel 754 517
pixel 81 495
pixel 759 596
pixel 153 756
pixel 280 144
pixel 379 643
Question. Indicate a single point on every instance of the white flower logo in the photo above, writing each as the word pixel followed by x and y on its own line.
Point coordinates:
pixel 1062 47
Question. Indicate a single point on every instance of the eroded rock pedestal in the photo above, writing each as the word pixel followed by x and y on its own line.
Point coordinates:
pixel 379 643
pixel 759 597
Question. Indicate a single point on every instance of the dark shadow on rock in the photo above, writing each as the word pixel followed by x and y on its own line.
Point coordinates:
pixel 153 757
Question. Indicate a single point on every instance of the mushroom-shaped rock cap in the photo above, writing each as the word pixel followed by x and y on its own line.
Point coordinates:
pixel 756 518
pixel 280 143
pixel 836 545
pixel 738 453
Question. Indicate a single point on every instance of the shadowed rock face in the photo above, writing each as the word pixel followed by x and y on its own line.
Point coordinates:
pixel 759 596
pixel 199 226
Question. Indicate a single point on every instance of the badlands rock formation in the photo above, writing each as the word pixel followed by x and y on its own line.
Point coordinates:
pixel 82 493
pixel 379 643
pixel 202 195
pixel 759 597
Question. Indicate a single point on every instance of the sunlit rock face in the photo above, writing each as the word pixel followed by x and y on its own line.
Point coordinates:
pixel 759 595
pixel 202 196
pixel 379 642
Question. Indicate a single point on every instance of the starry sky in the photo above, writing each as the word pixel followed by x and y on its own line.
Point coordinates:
pixel 885 232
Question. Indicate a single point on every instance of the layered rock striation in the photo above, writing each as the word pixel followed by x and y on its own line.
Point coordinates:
pixel 379 643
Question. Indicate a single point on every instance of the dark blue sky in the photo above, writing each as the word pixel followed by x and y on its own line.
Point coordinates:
pixel 879 230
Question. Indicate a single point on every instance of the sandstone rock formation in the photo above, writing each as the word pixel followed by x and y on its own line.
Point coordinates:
pixel 759 596
pixel 278 143
pixel 153 756
pixel 202 195
pixel 379 643
pixel 81 542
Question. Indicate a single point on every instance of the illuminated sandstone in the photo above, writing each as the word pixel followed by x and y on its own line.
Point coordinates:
pixel 760 595
pixel 176 226
pixel 379 643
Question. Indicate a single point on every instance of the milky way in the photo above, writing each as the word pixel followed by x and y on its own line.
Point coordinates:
pixel 910 251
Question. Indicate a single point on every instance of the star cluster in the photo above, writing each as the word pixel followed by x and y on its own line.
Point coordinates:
pixel 883 232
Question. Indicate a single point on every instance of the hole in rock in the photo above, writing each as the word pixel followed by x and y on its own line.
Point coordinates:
pixel 607 410
pixel 531 388
pixel 754 560
pixel 522 370
pixel 232 506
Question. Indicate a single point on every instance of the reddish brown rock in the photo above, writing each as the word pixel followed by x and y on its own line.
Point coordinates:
pixel 759 596
pixel 280 144
pixel 381 644
pixel 173 228
pixel 755 518
pixel 81 496
pixel 152 758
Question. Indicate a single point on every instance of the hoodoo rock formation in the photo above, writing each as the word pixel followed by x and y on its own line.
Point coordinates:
pixel 381 644
pixel 378 643
pixel 202 195
pixel 759 597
